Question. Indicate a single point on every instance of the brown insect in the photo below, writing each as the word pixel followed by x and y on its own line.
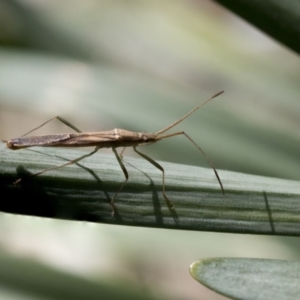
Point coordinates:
pixel 106 139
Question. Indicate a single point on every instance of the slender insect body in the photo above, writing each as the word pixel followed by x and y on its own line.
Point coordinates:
pixel 107 139
pixel 104 139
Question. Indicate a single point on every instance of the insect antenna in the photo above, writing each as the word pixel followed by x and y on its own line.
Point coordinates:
pixel 190 139
pixel 188 114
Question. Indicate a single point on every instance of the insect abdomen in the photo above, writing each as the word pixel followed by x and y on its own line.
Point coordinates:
pixel 42 140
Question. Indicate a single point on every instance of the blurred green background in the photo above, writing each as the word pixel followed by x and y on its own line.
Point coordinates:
pixel 140 65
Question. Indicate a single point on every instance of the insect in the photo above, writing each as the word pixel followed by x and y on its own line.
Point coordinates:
pixel 107 139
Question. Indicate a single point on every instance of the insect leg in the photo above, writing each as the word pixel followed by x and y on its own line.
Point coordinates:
pixel 63 165
pixel 158 166
pixel 121 153
pixel 122 185
pixel 56 117
pixel 203 153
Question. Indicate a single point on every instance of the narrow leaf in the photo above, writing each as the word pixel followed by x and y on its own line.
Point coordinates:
pixel 279 19
pixel 245 278
pixel 251 204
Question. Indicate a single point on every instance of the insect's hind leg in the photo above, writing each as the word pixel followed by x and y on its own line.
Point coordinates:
pixel 119 159
pixel 61 166
pixel 158 166
pixel 67 123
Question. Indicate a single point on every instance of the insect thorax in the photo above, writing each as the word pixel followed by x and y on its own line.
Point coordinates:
pixel 131 136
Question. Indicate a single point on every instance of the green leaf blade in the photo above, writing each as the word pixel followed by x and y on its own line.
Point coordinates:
pixel 252 279
pixel 251 204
